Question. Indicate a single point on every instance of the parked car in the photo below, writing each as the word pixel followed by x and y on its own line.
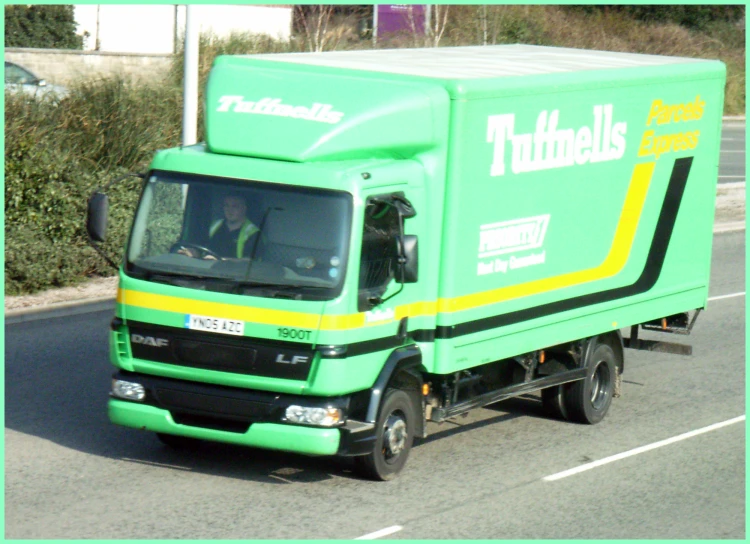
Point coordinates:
pixel 19 79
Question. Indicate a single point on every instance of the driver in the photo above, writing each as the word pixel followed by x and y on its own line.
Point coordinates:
pixel 229 237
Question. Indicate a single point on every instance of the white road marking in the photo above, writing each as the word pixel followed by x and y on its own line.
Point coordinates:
pixel 742 294
pixel 642 449
pixel 732 150
pixel 732 177
pixel 734 226
pixel 732 184
pixel 382 532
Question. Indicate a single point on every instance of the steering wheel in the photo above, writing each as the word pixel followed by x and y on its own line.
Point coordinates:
pixel 204 251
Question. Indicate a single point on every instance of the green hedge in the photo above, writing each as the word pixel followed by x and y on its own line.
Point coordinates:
pixel 51 27
pixel 56 155
pixel 690 16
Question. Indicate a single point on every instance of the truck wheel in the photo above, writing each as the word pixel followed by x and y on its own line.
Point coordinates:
pixel 395 435
pixel 588 400
pixel 553 402
pixel 177 442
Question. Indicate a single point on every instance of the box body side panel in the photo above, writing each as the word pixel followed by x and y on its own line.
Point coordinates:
pixel 564 204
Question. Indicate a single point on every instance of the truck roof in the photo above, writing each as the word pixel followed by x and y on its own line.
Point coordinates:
pixel 477 62
pixel 391 103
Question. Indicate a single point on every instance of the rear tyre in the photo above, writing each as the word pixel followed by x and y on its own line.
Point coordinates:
pixel 394 438
pixel 553 402
pixel 588 400
pixel 177 442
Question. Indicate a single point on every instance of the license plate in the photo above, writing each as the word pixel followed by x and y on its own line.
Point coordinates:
pixel 214 324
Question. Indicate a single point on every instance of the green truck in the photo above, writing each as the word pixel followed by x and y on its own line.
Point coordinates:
pixel 412 234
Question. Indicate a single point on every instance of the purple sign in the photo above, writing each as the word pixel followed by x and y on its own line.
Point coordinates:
pixel 393 18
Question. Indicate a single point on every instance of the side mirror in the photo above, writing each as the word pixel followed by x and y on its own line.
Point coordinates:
pixel 96 217
pixel 411 252
pixel 41 83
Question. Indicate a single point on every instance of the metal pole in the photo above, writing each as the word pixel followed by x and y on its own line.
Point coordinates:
pixel 190 89
pixel 374 25
pixel 97 43
pixel 428 20
pixel 175 34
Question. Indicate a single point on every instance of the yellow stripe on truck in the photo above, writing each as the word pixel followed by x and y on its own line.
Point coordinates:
pixel 612 264
pixel 249 314
pixel 217 309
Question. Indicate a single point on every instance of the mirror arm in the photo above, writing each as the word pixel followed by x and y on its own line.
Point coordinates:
pixel 93 244
pixel 377 301
pixel 101 252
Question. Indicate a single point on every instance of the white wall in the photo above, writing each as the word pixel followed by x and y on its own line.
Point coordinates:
pixel 127 28
pixel 221 20
pixel 66 67
pixel 149 28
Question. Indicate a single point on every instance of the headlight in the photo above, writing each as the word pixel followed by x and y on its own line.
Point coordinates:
pixel 128 390
pixel 323 417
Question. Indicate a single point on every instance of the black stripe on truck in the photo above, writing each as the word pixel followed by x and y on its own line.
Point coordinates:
pixel 649 276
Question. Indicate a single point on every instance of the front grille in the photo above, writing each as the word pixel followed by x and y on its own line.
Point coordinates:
pixel 211 351
pixel 215 356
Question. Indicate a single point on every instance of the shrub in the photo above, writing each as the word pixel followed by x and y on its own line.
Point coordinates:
pixel 113 124
pixel 108 128
pixel 50 27
pixel 689 16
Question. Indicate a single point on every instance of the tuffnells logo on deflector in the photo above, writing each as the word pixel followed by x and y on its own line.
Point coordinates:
pixel 321 113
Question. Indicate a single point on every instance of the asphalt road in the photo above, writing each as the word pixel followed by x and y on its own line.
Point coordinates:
pixel 732 160
pixel 71 474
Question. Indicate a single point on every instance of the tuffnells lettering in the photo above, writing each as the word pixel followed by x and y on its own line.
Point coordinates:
pixel 552 147
pixel 321 113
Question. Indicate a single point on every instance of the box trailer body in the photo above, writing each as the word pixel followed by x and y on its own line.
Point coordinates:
pixel 477 222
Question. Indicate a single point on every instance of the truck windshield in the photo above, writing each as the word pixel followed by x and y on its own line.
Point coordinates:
pixel 244 237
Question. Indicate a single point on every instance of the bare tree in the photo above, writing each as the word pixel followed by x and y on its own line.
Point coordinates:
pixel 322 27
pixel 483 21
pixel 435 21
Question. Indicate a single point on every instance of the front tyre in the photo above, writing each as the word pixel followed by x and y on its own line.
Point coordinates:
pixel 394 438
pixel 588 400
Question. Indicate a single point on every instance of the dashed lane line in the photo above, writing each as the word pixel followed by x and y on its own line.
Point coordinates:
pixel 642 449
pixel 720 297
pixel 381 533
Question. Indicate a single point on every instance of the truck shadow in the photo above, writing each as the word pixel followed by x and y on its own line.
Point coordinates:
pixel 524 406
pixel 57 377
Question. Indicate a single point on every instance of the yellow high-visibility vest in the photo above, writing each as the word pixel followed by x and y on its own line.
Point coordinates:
pixel 246 231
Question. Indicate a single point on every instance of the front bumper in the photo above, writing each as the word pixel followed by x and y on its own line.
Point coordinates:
pixel 236 416
pixel 275 436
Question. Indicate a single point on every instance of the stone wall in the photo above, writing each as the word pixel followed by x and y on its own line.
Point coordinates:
pixel 62 67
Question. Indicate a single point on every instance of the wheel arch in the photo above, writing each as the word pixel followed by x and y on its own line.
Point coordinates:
pixel 614 340
pixel 402 370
